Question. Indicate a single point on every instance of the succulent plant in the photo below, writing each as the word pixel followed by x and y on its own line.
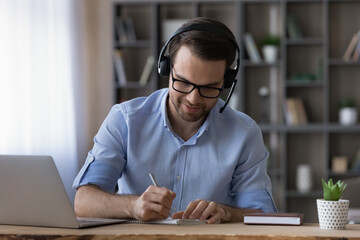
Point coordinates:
pixel 333 192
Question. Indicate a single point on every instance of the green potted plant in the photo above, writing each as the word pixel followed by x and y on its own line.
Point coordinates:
pixel 270 48
pixel 347 112
pixel 332 210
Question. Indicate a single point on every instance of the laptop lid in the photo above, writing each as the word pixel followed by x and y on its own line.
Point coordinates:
pixel 32 193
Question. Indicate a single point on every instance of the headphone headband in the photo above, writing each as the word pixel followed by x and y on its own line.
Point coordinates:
pixel 164 61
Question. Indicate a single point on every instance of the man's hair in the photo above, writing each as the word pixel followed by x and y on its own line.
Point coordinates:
pixel 203 44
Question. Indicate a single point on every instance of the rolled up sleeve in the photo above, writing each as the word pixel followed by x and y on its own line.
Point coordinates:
pixel 106 161
pixel 251 186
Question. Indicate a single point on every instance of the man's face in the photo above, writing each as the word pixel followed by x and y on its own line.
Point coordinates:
pixel 192 107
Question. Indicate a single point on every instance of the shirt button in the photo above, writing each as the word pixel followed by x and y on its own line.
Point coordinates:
pixel 92 159
pixel 174 209
pixel 178 178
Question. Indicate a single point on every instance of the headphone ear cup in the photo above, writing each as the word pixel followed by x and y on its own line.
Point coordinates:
pixel 229 77
pixel 164 66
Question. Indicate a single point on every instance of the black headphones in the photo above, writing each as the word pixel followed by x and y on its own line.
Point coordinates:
pixel 164 64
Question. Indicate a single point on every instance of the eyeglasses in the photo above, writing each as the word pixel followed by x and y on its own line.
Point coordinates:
pixel 187 87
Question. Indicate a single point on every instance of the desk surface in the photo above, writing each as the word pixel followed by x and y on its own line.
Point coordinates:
pixel 151 231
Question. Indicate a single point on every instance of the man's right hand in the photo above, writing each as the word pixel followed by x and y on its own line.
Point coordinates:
pixel 154 203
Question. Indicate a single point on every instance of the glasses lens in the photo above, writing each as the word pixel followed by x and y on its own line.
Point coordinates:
pixel 182 86
pixel 209 92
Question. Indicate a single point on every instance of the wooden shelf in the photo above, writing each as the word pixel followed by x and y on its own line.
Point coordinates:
pixel 327 27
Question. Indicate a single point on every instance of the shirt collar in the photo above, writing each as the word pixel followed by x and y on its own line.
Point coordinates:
pixel 164 110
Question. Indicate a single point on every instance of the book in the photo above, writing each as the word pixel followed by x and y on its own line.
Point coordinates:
pixel 251 48
pixel 355 164
pixel 351 47
pixel 130 29
pixel 170 221
pixel 300 111
pixel 356 54
pixel 121 30
pixel 119 67
pixel 274 218
pixel 145 75
pixel 295 113
pixel 125 30
pixel 292 27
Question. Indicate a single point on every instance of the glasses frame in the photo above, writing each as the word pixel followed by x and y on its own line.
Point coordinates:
pixel 194 86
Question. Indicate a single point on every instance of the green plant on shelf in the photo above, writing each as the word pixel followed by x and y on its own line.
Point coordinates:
pixel 271 39
pixel 333 192
pixel 347 103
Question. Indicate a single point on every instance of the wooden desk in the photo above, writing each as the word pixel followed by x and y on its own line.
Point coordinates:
pixel 230 231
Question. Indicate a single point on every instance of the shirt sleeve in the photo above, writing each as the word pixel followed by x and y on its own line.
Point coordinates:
pixel 105 162
pixel 251 186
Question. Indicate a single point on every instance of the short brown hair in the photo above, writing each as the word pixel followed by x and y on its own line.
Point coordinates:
pixel 204 44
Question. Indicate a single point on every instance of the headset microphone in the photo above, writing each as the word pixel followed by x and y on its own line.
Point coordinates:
pixel 229 96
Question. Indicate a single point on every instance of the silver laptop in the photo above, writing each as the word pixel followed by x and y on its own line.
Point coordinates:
pixel 32 193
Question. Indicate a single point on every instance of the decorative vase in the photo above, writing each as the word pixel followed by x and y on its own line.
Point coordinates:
pixel 348 116
pixel 303 178
pixel 270 53
pixel 332 214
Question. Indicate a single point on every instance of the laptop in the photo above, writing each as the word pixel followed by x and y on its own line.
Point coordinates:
pixel 32 194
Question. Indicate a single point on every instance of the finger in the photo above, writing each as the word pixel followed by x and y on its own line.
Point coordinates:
pixel 190 208
pixel 160 190
pixel 177 215
pixel 160 196
pixel 150 201
pixel 217 216
pixel 198 211
pixel 148 211
pixel 208 211
pixel 214 219
pixel 195 209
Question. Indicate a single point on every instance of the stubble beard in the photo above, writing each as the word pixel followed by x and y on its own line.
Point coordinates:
pixel 189 117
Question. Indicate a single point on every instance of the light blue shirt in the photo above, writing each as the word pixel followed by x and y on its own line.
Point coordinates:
pixel 225 161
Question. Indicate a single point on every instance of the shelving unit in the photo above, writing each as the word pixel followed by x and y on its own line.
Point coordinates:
pixel 326 26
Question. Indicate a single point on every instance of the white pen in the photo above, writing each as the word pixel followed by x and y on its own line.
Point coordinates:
pixel 153 179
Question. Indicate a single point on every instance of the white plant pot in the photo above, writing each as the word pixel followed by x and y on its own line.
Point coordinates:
pixel 348 116
pixel 332 214
pixel 270 53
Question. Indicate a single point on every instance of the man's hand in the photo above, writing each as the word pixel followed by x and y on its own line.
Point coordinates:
pixel 204 210
pixel 154 203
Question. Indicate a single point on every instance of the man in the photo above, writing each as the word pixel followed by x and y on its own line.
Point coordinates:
pixel 211 165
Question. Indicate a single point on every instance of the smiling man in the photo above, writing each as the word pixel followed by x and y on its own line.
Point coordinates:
pixel 209 161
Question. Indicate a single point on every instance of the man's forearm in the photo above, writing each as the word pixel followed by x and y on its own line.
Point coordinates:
pixel 235 214
pixel 91 201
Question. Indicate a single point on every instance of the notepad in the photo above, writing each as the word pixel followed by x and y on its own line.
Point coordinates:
pixel 170 221
pixel 274 218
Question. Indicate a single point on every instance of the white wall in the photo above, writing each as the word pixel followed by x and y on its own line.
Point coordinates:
pixel 96 63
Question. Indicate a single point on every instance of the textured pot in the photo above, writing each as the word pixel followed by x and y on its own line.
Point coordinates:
pixel 332 214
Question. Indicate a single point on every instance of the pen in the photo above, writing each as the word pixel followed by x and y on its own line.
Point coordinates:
pixel 153 179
